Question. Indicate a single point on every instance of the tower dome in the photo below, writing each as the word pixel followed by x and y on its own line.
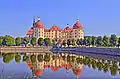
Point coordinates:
pixel 39 24
pixel 77 25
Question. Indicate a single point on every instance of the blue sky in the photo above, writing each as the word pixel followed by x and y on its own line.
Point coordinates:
pixel 98 17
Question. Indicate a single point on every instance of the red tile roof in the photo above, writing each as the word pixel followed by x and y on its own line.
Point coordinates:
pixel 54 68
pixel 54 27
pixel 77 71
pixel 39 24
pixel 67 29
pixel 30 32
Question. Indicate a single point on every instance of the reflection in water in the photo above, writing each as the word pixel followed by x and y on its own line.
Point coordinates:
pixel 39 62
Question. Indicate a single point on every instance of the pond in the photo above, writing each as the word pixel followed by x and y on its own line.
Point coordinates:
pixel 58 66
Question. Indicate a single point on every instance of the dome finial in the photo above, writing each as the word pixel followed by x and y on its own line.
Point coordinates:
pixel 77 20
pixel 38 18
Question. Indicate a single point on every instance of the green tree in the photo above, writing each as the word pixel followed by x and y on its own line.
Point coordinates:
pixel 1 42
pixel 106 41
pixel 17 58
pixel 106 67
pixel 64 43
pixel 18 41
pixel 119 42
pixel 53 41
pixel 85 41
pixel 25 41
pixel 81 41
pixel 69 42
pixel 40 41
pixel 113 40
pixel 99 41
pixel 94 41
pixel 78 42
pixel 73 42
pixel 8 40
pixel 89 40
pixel 33 41
pixel 47 41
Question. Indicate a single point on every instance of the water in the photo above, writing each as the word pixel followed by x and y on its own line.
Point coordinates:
pixel 58 66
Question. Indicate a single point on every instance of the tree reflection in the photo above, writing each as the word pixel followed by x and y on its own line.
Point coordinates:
pixel 114 69
pixel 8 57
pixel 25 58
pixel 106 67
pixel 40 58
pixel 33 58
pixel 47 58
pixel 17 58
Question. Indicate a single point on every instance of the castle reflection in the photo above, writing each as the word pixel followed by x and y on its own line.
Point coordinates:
pixel 39 62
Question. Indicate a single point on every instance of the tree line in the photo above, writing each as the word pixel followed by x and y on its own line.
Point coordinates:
pixel 99 41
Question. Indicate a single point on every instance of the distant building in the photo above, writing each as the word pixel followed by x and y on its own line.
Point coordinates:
pixel 39 31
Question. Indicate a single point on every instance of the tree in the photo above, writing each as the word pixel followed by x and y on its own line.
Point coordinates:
pixel 33 41
pixel 1 41
pixel 47 41
pixel 25 40
pixel 78 42
pixel 85 41
pixel 8 40
pixel 93 41
pixel 113 40
pixel 119 42
pixel 99 41
pixel 40 41
pixel 106 41
pixel 81 42
pixel 53 41
pixel 64 43
pixel 69 42
pixel 18 41
pixel 73 42
pixel 89 40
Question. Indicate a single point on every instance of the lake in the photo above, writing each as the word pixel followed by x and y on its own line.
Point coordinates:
pixel 58 65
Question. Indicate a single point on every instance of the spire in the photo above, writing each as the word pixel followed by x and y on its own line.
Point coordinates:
pixel 38 18
pixel 77 21
pixel 33 21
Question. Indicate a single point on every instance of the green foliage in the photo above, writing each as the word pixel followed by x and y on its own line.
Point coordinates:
pixel 8 57
pixel 40 58
pixel 114 69
pixel 53 42
pixel 25 58
pixel 94 40
pixel 73 41
pixel 17 58
pixel 8 40
pixel 118 41
pixel 113 40
pixel 25 40
pixel 99 41
pixel 47 41
pixel 18 41
pixel 33 41
pixel 64 43
pixel 106 41
pixel 1 42
pixel 40 41
pixel 69 42
pixel 89 40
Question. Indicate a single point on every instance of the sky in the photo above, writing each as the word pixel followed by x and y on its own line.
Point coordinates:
pixel 98 17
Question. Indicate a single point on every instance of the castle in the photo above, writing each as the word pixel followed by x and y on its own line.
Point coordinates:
pixel 39 31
